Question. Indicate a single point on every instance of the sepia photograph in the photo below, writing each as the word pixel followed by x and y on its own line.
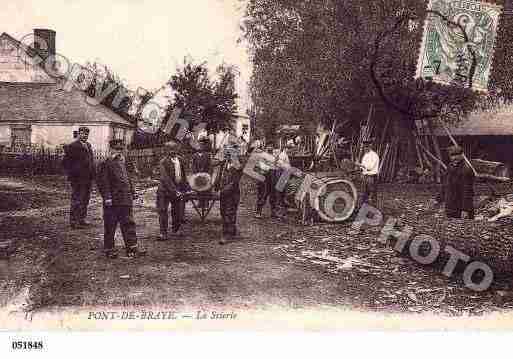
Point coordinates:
pixel 255 165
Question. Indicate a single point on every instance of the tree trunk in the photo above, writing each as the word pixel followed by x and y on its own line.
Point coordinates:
pixel 436 146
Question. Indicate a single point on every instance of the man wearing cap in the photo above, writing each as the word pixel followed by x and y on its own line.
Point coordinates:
pixel 172 186
pixel 80 168
pixel 118 194
pixel 370 172
pixel 458 188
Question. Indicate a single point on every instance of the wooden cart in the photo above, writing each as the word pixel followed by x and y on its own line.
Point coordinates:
pixel 203 201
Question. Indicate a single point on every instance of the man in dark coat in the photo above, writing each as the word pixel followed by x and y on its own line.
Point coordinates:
pixel 173 185
pixel 230 196
pixel 117 191
pixel 458 187
pixel 79 165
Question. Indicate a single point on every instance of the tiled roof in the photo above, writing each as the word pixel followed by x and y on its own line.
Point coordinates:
pixel 480 123
pixel 50 103
pixel 33 102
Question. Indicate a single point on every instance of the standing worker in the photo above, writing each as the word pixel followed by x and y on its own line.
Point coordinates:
pixel 230 196
pixel 458 187
pixel 173 185
pixel 118 194
pixel 370 172
pixel 79 164
pixel 281 163
pixel 265 188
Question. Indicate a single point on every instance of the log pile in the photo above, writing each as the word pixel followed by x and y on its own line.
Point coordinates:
pixel 488 242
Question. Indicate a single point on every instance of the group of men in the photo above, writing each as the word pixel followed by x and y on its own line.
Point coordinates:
pixel 118 194
pixel 267 190
pixel 456 191
pixel 114 184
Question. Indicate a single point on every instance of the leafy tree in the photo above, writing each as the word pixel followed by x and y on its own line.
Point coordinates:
pixel 317 61
pixel 202 99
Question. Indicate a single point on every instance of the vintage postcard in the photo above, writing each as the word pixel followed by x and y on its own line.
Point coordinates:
pixel 203 165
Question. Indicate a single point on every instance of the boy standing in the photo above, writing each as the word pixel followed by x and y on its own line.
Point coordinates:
pixel 117 191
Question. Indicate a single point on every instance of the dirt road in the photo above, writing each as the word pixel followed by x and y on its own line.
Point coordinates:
pixel 276 264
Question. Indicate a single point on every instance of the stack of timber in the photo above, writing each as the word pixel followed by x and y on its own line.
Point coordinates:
pixel 488 242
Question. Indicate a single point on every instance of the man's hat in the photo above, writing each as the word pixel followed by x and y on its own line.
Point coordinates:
pixel 117 144
pixel 83 129
pixel 455 150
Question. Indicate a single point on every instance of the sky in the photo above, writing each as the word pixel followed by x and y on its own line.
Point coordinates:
pixel 143 41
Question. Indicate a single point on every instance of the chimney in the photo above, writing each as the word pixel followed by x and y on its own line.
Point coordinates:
pixel 48 39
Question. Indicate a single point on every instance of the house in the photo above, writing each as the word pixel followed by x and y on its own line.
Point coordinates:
pixel 486 135
pixel 36 110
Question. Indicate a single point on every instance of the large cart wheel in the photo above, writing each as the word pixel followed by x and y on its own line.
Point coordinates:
pixel 338 201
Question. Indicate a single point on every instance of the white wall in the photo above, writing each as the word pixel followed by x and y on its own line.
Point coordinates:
pixel 5 135
pixel 55 135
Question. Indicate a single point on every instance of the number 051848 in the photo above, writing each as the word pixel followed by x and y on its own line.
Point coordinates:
pixel 27 345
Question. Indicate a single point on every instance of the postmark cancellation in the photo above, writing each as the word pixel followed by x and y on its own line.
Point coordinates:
pixel 446 56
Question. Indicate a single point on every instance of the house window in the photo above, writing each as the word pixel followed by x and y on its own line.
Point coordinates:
pixel 20 137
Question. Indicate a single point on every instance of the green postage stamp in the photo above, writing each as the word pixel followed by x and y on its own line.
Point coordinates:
pixel 445 55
